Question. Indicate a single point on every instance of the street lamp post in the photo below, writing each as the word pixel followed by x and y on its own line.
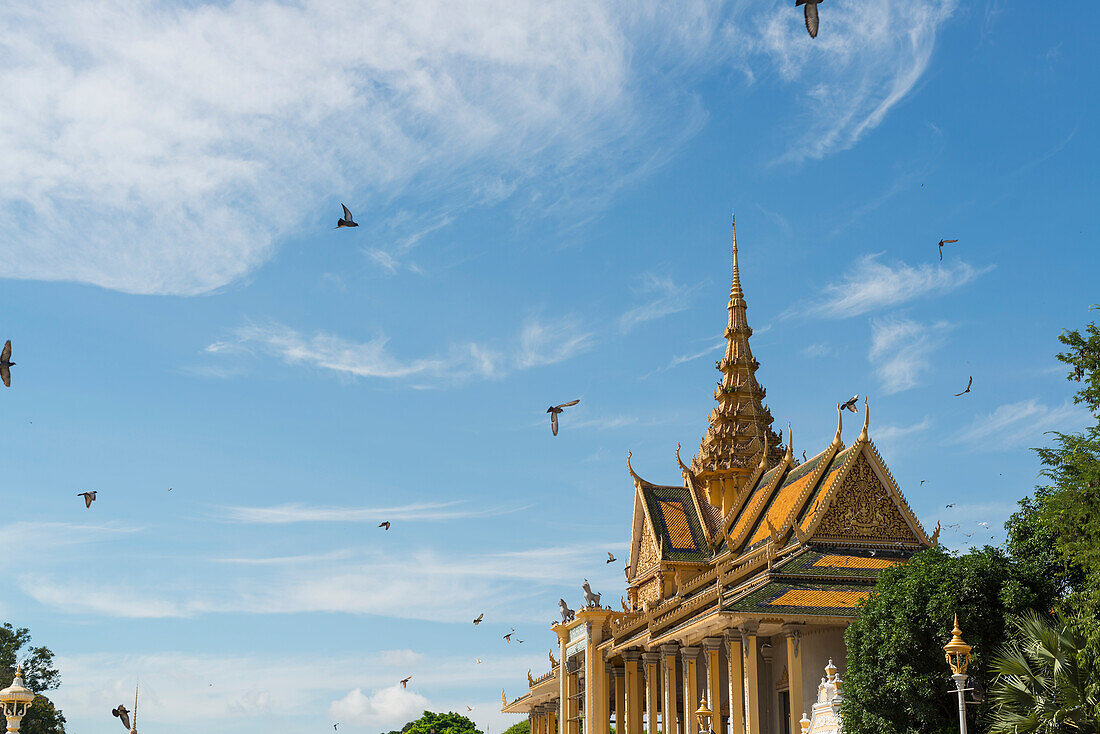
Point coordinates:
pixel 15 700
pixel 702 715
pixel 957 653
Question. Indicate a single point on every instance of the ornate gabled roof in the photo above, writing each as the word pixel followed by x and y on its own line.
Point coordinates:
pixel 675 523
pixel 829 562
pixel 740 425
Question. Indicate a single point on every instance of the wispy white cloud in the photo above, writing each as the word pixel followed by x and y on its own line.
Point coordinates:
pixel 539 342
pixel 1015 425
pixel 872 285
pixel 901 350
pixel 296 512
pixel 888 434
pixel 172 158
pixel 427 584
pixel 866 60
pixel 663 298
pixel 549 342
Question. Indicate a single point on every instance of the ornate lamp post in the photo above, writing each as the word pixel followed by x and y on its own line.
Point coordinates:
pixel 957 653
pixel 702 715
pixel 15 700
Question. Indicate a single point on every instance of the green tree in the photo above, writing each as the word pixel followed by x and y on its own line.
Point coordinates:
pixel 448 723
pixel 38 674
pixel 897 681
pixel 1040 686
pixel 1058 528
pixel 520 727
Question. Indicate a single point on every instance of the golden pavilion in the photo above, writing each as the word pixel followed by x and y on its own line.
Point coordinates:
pixel 741 580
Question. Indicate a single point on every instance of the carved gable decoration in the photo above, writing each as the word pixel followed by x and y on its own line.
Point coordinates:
pixel 648 555
pixel 863 508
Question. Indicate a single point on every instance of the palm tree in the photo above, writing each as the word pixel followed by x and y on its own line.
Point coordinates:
pixel 1040 687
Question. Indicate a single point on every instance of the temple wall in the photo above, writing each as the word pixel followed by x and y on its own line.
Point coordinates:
pixel 818 647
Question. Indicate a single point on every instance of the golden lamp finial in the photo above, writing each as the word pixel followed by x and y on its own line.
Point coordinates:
pixel 957 651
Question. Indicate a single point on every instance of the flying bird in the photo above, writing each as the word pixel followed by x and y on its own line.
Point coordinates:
pixel 347 221
pixel 479 618
pixel 6 363
pixel 469 709
pixel 553 410
pixel 89 498
pixel 519 641
pixel 949 506
pixel 477 661
pixel 811 15
pixel 122 714
pixel 945 242
pixel 385 524
pixel 922 482
pixel 610 558
pixel 508 637
pixel 850 404
pixel 405 682
pixel 964 392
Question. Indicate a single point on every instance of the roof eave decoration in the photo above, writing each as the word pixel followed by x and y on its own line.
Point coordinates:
pixel 791 522
pixel 638 481
pixel 745 493
pixel 761 501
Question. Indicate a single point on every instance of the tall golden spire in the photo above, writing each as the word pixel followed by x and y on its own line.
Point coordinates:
pixel 740 425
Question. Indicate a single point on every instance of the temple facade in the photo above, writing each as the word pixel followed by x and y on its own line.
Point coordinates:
pixel 741 579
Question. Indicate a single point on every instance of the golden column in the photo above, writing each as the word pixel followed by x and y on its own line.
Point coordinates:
pixel 794 672
pixel 634 692
pixel 752 673
pixel 620 698
pixel 668 671
pixel 652 666
pixel 736 683
pixel 597 691
pixel 690 656
pixel 712 647
pixel 563 682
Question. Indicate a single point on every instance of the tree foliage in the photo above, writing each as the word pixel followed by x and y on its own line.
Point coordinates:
pixel 520 727
pixel 38 674
pixel 433 723
pixel 1041 686
pixel 1059 527
pixel 897 680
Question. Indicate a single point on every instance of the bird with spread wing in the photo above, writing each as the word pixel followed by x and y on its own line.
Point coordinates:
pixel 964 392
pixel 554 410
pixel 812 21
pixel 347 221
pixel 6 364
pixel 945 242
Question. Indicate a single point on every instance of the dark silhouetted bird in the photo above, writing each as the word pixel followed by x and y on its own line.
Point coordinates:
pixel 508 637
pixel 6 364
pixel 610 558
pixel 479 618
pixel 385 524
pixel 347 221
pixel 945 242
pixel 949 506
pixel 811 15
pixel 405 682
pixel 964 392
pixel 89 498
pixel 553 410
pixel 122 714
pixel 469 709
pixel 850 404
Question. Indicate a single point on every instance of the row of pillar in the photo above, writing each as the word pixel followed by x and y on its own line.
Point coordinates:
pixel 646 682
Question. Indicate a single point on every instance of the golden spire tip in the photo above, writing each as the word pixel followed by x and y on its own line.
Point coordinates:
pixel 866 420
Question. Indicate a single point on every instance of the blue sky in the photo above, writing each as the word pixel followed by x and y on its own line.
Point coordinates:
pixel 544 194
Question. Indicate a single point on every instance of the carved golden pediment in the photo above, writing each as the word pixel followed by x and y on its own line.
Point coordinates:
pixel 863 508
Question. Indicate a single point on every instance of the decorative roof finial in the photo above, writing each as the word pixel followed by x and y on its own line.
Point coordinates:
pixel 764 453
pixel 790 441
pixel 839 425
pixel 866 420
pixel 735 277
